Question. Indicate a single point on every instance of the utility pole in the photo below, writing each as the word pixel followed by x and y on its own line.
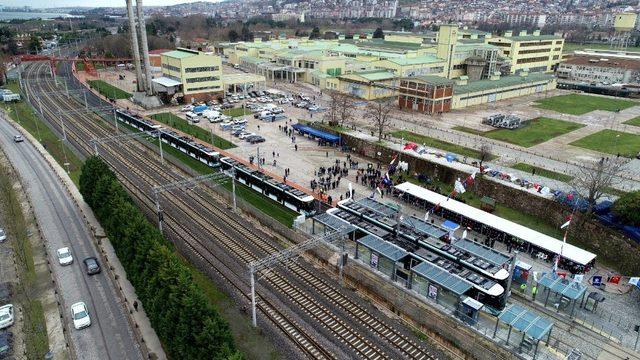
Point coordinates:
pixel 115 119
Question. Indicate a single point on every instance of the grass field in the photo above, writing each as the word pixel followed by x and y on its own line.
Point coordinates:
pixel 611 142
pixel 577 104
pixel 22 113
pixel 438 144
pixel 635 121
pixel 181 124
pixel 533 132
pixel 543 172
pixel 235 112
pixel 108 90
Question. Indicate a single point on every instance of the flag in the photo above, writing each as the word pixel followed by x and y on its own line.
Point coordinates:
pixel 350 191
pixel 464 234
pixel 435 208
pixel 379 190
pixel 567 223
pixel 426 216
pixel 459 187
pixel 393 159
pixel 470 179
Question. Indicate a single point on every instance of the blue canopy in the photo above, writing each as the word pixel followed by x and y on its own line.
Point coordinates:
pixel 450 225
pixel 326 136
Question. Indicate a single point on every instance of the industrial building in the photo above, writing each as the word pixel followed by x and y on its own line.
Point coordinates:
pixel 534 52
pixel 433 94
pixel 475 65
pixel 600 70
pixel 194 74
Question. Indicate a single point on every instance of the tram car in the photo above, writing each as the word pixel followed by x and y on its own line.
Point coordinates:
pixel 192 148
pixel 136 121
pixel 284 194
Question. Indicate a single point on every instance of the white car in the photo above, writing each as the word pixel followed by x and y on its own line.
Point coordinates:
pixel 18 138
pixel 187 108
pixel 80 316
pixel 64 256
pixel 245 135
pixel 3 235
pixel 6 316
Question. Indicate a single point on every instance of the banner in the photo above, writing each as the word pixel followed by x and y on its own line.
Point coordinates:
pixel 596 280
pixel 433 292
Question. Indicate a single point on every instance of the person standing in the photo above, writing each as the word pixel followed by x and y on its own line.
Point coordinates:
pixel 534 291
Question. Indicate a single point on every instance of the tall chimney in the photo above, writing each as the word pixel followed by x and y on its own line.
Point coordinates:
pixel 134 45
pixel 145 48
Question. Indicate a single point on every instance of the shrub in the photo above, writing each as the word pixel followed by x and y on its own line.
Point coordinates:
pixel 628 207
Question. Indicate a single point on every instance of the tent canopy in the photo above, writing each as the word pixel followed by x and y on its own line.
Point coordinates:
pixel 334 139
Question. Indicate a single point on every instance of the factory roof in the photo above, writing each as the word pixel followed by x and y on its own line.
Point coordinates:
pixel 431 79
pixel 181 53
pixel 503 82
pixel 425 59
pixel 600 61
pixel 530 37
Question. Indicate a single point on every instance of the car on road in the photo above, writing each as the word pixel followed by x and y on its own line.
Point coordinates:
pixel 92 265
pixel 6 316
pixel 3 235
pixel 64 256
pixel 18 138
pixel 6 341
pixel 80 315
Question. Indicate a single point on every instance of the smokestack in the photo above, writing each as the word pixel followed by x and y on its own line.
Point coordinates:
pixel 145 48
pixel 134 45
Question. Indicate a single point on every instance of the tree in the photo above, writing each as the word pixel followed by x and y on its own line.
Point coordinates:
pixel 591 182
pixel 378 34
pixel 246 34
pixel 331 114
pixel 233 35
pixel 315 33
pixel 34 44
pixel 485 152
pixel 628 208
pixel 345 108
pixel 378 113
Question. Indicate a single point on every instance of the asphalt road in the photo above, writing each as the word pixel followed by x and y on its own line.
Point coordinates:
pixel 109 336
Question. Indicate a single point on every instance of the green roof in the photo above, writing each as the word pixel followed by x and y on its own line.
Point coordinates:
pixel 252 60
pixel 506 81
pixel 371 75
pixel 425 59
pixel 180 54
pixel 320 74
pixel 532 37
pixel 431 79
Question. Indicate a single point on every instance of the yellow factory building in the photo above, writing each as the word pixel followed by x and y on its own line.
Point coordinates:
pixel 371 68
pixel 194 74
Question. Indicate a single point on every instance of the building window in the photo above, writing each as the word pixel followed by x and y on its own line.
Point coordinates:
pixel 532 60
pixel 170 67
pixel 203 88
pixel 201 69
pixel 202 79
pixel 533 51
pixel 536 43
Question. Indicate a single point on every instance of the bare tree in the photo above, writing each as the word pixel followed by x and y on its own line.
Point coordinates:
pixel 591 182
pixel 485 152
pixel 346 108
pixel 332 115
pixel 378 113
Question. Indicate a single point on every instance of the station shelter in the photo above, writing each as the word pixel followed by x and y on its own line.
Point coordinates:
pixel 563 293
pixel 379 254
pixel 532 326
pixel 439 285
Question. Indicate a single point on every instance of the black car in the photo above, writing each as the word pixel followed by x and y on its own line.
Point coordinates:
pixel 92 265
pixel 255 139
pixel 6 339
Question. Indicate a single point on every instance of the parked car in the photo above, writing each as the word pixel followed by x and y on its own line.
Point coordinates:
pixel 240 121
pixel 18 138
pixel 187 108
pixel 6 342
pixel 302 104
pixel 255 139
pixel 80 315
pixel 64 256
pixel 3 235
pixel 237 132
pixel 92 265
pixel 313 108
pixel 277 110
pixel 245 135
pixel 6 316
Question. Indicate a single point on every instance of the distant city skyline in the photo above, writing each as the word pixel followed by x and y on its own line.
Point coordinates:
pixel 47 4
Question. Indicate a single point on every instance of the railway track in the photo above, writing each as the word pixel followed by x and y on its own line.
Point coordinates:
pixel 194 204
